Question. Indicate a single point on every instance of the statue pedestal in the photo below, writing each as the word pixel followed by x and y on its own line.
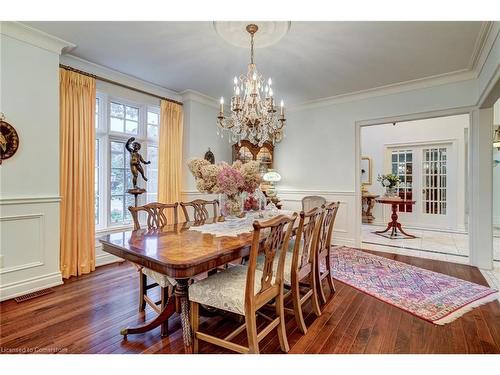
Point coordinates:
pixel 136 192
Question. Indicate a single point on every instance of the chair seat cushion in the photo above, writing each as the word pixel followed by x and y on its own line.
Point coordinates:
pixel 163 280
pixel 224 290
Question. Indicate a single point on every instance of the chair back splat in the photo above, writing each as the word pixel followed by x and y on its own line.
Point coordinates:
pixel 307 236
pixel 280 229
pixel 156 218
pixel 200 211
pixel 325 238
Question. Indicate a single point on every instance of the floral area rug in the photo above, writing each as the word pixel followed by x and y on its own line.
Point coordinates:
pixel 429 295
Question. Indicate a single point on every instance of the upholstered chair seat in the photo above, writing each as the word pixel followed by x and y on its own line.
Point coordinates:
pixel 162 280
pixel 224 290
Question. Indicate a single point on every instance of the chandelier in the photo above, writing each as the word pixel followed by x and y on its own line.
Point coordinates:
pixel 253 113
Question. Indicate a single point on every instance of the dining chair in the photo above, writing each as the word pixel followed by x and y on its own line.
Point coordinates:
pixel 200 211
pixel 323 261
pixel 301 270
pixel 300 265
pixel 312 201
pixel 243 290
pixel 156 219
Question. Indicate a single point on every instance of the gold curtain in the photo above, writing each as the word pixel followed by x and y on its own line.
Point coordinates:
pixel 170 154
pixel 77 147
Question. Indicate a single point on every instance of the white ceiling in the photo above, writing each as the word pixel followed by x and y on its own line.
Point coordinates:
pixel 314 60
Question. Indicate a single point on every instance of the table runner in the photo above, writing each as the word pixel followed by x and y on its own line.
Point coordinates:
pixel 236 227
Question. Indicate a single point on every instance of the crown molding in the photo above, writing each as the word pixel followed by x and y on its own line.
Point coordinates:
pixel 479 44
pixel 416 84
pixel 484 44
pixel 37 38
pixel 115 75
pixel 482 47
pixel 199 97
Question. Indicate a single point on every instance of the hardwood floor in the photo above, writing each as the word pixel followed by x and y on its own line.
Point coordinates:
pixel 86 313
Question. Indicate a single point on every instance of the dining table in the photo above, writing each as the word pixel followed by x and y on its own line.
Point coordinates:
pixel 182 252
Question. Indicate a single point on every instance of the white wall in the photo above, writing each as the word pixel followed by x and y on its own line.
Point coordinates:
pixel 496 170
pixel 375 141
pixel 29 181
pixel 200 133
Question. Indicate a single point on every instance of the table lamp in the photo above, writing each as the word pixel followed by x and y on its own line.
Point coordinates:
pixel 271 176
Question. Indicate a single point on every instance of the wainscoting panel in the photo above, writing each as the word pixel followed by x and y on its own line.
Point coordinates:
pixel 344 230
pixel 29 245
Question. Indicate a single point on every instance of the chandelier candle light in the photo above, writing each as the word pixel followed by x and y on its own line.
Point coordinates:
pixel 253 113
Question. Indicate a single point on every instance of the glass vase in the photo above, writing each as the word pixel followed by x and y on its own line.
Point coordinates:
pixel 254 202
pixel 231 206
pixel 390 192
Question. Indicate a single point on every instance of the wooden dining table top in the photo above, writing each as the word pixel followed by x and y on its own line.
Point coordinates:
pixel 177 251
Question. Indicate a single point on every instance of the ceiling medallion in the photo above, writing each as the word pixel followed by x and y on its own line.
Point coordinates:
pixel 253 113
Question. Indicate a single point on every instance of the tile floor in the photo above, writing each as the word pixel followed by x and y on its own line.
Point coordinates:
pixel 430 244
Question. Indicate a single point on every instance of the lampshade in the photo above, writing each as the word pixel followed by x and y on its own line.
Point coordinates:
pixel 272 176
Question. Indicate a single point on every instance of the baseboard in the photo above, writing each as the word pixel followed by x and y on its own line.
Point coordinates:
pixel 22 287
pixel 344 242
pixel 103 259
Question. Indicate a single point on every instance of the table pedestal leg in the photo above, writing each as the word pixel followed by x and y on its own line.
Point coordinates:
pixel 181 291
pixel 370 204
pixel 394 225
pixel 160 319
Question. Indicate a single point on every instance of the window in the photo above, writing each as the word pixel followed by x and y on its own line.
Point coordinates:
pixel 116 121
pixel 97 190
pixel 153 123
pixel 124 119
pixel 402 166
pixel 120 182
pixel 97 113
pixel 434 181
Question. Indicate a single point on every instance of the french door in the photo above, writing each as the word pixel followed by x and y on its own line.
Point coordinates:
pixel 427 176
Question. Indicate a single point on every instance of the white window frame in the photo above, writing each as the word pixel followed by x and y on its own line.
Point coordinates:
pixel 105 137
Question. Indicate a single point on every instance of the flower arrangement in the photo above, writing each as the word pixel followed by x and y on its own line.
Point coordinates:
pixel 230 180
pixel 388 180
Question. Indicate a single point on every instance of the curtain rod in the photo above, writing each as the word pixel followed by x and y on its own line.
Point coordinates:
pixel 67 67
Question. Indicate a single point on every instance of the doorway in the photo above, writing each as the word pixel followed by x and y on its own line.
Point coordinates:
pixel 429 157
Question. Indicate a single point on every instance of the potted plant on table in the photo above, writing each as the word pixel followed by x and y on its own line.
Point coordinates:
pixel 390 182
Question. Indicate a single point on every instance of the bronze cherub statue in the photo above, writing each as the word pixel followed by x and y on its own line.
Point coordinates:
pixel 135 160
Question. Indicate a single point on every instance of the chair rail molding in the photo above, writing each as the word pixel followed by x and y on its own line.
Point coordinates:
pixel 28 200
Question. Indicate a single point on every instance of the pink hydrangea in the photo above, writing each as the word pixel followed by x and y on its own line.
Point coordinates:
pixel 230 180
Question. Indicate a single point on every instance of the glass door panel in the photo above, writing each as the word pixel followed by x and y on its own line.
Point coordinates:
pixel 434 180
